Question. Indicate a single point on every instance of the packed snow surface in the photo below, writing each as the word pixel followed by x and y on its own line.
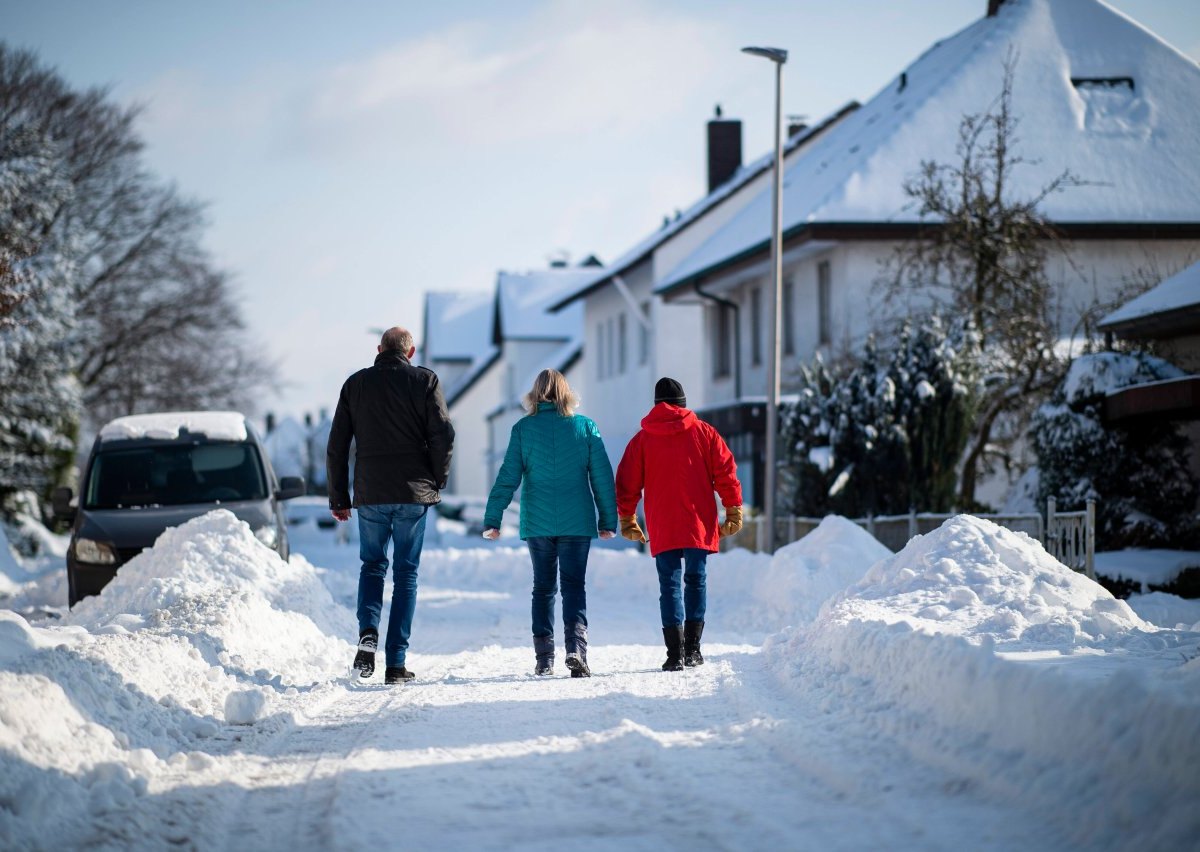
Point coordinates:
pixel 967 692
pixel 217 425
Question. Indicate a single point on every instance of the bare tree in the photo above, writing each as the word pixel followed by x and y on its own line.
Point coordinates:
pixel 158 322
pixel 983 254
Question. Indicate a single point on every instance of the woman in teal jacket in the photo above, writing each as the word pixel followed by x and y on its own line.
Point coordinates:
pixel 568 480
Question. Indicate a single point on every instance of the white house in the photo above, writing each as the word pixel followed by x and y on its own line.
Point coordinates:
pixel 1095 93
pixel 530 339
pixel 457 344
pixel 486 348
pixel 631 338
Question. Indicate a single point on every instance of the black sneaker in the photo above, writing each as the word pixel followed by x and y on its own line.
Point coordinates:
pixel 364 660
pixel 392 675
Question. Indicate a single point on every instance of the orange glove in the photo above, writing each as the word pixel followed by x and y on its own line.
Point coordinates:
pixel 631 530
pixel 733 521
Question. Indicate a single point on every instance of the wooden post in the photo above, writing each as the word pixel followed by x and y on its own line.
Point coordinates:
pixel 912 523
pixel 1052 530
pixel 1090 540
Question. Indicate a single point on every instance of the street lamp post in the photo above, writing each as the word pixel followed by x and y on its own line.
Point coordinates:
pixel 778 56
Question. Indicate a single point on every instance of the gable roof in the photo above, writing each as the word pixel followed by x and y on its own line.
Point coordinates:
pixel 744 175
pixel 523 300
pixel 1095 93
pixel 457 326
pixel 1175 303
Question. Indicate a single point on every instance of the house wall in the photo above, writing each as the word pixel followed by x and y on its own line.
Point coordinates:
pixel 1088 271
pixel 469 465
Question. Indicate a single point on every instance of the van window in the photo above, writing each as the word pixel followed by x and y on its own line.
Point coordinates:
pixel 175 474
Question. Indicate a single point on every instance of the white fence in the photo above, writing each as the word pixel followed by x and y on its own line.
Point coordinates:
pixel 1070 537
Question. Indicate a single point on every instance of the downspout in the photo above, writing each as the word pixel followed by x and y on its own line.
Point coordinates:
pixel 737 337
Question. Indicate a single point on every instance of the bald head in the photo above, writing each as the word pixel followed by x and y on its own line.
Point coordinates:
pixel 399 340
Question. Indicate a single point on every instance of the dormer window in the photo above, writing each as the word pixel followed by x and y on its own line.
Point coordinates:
pixel 1103 82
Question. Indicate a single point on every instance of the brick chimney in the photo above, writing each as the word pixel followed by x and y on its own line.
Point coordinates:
pixel 796 124
pixel 724 149
pixel 994 7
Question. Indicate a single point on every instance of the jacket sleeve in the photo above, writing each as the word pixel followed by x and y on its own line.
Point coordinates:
pixel 507 480
pixel 723 469
pixel 439 433
pixel 600 473
pixel 337 455
pixel 631 477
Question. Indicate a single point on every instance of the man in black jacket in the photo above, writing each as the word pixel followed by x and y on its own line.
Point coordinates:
pixel 396 415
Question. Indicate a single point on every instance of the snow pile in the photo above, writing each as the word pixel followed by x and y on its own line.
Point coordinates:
pixel 11 573
pixel 1167 610
pixel 981 653
pixel 208 628
pixel 213 582
pixel 217 425
pixel 805 574
pixel 981 581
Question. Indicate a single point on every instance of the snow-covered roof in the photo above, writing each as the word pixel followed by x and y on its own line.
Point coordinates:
pixel 217 425
pixel 458 326
pixel 524 299
pixel 739 179
pixel 1177 293
pixel 1095 93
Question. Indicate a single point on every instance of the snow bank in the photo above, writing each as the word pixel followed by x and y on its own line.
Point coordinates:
pixel 217 425
pixel 207 628
pixel 1167 610
pixel 981 653
pixel 1146 567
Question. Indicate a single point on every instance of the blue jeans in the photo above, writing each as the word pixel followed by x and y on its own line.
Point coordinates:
pixel 404 524
pixel 550 554
pixel 689 562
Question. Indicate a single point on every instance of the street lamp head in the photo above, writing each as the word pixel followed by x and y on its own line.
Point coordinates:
pixel 775 54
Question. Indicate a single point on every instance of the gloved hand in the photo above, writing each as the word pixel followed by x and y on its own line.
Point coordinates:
pixel 733 521
pixel 631 530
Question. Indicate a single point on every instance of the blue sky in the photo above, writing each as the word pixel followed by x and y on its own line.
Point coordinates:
pixel 355 155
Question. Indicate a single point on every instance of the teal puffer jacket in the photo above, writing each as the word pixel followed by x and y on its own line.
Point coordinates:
pixel 566 473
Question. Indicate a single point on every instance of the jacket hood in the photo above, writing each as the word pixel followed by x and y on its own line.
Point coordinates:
pixel 667 419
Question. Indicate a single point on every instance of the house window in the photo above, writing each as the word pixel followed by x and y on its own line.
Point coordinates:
pixel 756 326
pixel 824 299
pixel 621 337
pixel 611 361
pixel 722 319
pixel 789 322
pixel 644 336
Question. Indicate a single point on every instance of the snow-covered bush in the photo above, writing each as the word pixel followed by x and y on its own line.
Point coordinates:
pixel 887 434
pixel 1136 470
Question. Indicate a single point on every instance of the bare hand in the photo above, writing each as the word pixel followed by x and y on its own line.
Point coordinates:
pixel 607 534
pixel 340 514
pixel 491 534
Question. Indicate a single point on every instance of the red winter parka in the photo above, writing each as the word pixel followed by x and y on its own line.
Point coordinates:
pixel 678 460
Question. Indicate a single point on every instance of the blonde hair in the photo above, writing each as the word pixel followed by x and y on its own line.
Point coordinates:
pixel 551 386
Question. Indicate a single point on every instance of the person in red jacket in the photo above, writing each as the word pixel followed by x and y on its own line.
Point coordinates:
pixel 678 460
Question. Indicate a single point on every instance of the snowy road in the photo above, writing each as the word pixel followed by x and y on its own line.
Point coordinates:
pixel 478 754
pixel 968 693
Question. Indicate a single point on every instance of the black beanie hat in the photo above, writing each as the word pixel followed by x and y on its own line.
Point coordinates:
pixel 669 390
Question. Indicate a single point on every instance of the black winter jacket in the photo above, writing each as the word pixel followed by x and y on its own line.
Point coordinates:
pixel 397 416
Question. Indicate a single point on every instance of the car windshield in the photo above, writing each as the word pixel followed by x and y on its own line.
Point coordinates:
pixel 174 474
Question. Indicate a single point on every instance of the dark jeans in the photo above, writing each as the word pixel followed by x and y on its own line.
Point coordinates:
pixel 550 555
pixel 404 525
pixel 689 562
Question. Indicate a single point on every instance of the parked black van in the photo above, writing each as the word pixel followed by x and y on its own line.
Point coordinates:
pixel 149 472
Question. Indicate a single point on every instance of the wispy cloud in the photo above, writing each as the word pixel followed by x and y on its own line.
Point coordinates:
pixel 571 66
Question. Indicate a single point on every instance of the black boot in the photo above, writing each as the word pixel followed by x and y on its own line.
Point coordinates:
pixel 673 636
pixel 543 649
pixel 364 660
pixel 692 631
pixel 576 642
pixel 393 675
